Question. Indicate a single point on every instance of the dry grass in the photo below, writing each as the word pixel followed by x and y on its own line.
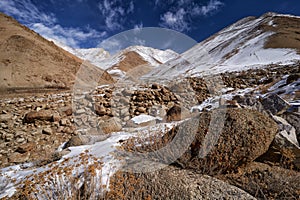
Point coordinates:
pixel 61 181
pixel 126 185
pixel 266 182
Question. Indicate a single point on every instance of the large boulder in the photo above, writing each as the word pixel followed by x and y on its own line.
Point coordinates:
pixel 173 183
pixel 285 145
pixel 266 182
pixel 246 135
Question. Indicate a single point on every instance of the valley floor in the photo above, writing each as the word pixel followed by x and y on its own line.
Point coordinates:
pixel 179 140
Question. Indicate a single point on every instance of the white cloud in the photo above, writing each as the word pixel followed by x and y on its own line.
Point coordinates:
pixel 114 12
pixel 138 41
pixel 67 36
pixel 175 20
pixel 180 14
pixel 111 45
pixel 121 41
pixel 137 27
pixel 26 11
pixel 46 23
pixel 211 7
pixel 131 7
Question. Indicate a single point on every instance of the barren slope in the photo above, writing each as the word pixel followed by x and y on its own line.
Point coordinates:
pixel 30 62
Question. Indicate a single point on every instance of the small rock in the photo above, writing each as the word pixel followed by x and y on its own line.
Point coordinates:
pixel 177 113
pixel 64 122
pixel 67 130
pixel 111 125
pixel 20 134
pixel 80 111
pixel 100 110
pixel 124 111
pixel 141 109
pixel 286 129
pixel 124 100
pixel 126 118
pixel 66 111
pixel 127 92
pixel 60 129
pixel 294 119
pixel 5 117
pixel 43 115
pixel 56 117
pixel 4 126
pixel 20 140
pixel 8 137
pixel 155 86
pixel 47 131
pixel 166 98
pixel 77 140
pixel 158 111
pixel 222 102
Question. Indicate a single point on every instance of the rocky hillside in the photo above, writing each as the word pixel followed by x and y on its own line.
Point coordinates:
pixel 28 62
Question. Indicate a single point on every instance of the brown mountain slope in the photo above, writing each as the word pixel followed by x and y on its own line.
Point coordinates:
pixel 28 61
pixel 130 61
pixel 132 64
pixel 287 32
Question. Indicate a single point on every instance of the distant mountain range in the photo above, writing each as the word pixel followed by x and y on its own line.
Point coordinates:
pixel 28 60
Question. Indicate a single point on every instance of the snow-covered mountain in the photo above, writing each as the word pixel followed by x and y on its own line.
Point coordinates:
pixel 132 57
pixel 136 56
pixel 93 55
pixel 248 43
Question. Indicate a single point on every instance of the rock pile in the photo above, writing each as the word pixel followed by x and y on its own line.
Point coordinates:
pixel 33 127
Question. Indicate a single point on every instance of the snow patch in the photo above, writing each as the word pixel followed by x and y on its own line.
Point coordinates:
pixel 143 118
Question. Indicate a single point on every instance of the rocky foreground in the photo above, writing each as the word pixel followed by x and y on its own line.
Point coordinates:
pixel 255 154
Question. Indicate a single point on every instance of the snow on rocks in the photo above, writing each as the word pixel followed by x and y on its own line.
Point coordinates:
pixel 141 120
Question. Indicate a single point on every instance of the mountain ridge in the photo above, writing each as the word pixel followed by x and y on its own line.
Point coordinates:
pixel 244 44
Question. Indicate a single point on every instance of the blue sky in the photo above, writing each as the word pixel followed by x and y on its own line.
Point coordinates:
pixel 87 23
